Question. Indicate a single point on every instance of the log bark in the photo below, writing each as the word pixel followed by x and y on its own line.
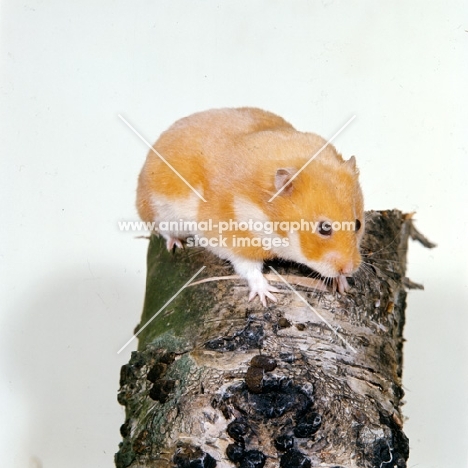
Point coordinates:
pixel 218 381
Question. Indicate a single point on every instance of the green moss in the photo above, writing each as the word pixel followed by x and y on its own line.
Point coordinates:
pixel 167 273
pixel 125 456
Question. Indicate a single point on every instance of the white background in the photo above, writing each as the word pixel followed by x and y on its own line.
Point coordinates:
pixel 72 285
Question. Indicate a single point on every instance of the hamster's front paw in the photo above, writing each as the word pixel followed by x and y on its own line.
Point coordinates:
pixel 252 272
pixel 263 290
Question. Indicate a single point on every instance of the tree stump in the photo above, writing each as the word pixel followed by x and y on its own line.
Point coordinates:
pixel 313 380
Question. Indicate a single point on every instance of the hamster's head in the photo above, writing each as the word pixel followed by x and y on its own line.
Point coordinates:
pixel 326 199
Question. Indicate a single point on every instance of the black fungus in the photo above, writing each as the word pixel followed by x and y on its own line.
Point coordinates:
pixel 193 457
pixel 263 405
pixel 206 462
pixel 303 404
pixel 276 397
pixel 122 398
pixel 287 357
pixel 271 384
pixel 287 408
pixel 287 385
pixel 168 358
pixel 235 452
pixel 182 460
pixel 156 372
pixel 253 336
pixel 237 429
pixel 161 390
pixel 253 459
pixel 308 425
pixel 398 391
pixel 248 338
pixel 124 429
pixel 308 389
pixel 383 456
pixel 283 403
pixel 273 404
pixel 217 343
pixel 126 373
pixel 398 461
pixel 295 459
pixel 386 456
pixel 137 359
pixel 284 442
pixel 399 442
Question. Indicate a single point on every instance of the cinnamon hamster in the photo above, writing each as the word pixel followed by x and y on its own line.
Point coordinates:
pixel 222 192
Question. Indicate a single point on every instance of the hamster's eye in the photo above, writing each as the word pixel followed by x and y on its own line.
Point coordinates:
pixel 358 225
pixel 325 228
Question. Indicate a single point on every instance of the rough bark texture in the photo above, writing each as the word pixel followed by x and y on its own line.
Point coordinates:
pixel 221 382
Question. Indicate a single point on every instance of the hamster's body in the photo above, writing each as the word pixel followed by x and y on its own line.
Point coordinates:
pixel 237 160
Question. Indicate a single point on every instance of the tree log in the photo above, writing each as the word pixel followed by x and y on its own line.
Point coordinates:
pixel 313 380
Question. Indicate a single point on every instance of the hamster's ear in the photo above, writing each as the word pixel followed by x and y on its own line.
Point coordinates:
pixel 282 177
pixel 351 164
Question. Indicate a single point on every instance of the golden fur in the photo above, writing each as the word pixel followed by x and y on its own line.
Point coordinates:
pixel 239 156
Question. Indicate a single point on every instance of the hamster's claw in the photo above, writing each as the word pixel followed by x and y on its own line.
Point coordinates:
pixel 173 242
pixel 341 284
pixel 263 293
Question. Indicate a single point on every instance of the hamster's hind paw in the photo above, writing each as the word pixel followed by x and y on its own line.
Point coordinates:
pixel 263 291
pixel 172 242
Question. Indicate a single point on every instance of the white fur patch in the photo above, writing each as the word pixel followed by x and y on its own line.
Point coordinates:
pixel 245 210
pixel 250 270
pixel 180 211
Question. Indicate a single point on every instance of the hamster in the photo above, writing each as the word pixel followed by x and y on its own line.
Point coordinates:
pixel 234 188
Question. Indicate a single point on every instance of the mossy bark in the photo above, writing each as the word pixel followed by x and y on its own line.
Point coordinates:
pixel 218 381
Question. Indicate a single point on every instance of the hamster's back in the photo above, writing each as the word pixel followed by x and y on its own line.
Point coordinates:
pixel 201 149
pixel 207 135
